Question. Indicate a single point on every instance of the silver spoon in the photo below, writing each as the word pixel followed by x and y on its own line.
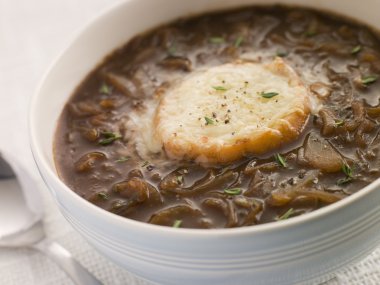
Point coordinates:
pixel 19 227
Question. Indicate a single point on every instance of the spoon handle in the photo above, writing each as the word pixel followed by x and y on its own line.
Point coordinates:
pixel 78 274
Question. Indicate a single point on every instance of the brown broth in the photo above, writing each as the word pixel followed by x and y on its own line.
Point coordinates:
pixel 333 56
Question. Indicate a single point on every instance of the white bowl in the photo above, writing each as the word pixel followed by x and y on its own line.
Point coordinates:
pixel 300 249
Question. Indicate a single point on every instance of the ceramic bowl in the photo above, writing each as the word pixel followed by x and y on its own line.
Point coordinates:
pixel 300 249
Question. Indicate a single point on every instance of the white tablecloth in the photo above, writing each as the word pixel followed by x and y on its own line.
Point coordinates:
pixel 32 33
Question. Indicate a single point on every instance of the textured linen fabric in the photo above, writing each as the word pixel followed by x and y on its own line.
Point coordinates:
pixel 32 33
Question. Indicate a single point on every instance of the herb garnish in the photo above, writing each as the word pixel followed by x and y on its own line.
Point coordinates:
pixel 118 204
pixel 287 215
pixel 219 88
pixel 217 40
pixel 102 195
pixel 310 33
pixel 369 79
pixel 145 163
pixel 347 170
pixel 105 89
pixel 209 121
pixel 356 49
pixel 172 50
pixel 268 94
pixel 123 159
pixel 343 181
pixel 239 41
pixel 280 160
pixel 339 123
pixel 177 223
pixel 109 137
pixel 281 53
pixel 233 191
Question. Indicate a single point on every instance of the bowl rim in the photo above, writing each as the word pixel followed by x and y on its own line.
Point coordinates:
pixel 47 171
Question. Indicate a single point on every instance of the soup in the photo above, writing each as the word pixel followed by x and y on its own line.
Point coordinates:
pixel 227 119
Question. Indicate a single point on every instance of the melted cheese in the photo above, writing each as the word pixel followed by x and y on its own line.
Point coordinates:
pixel 220 114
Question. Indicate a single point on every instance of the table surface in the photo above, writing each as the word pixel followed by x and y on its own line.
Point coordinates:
pixel 32 33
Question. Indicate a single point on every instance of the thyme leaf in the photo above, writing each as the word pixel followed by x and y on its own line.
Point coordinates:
pixel 239 41
pixel 282 53
pixel 280 160
pixel 102 195
pixel 209 121
pixel 233 191
pixel 105 89
pixel 347 170
pixel 287 215
pixel 123 159
pixel 356 49
pixel 369 79
pixel 219 88
pixel 177 223
pixel 339 123
pixel 217 40
pixel 343 181
pixel 109 137
pixel 268 95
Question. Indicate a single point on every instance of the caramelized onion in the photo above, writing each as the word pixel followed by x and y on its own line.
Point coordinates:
pixel 319 154
pixel 137 190
pixel 84 108
pixel 87 162
pixel 320 89
pixel 211 181
pixel 329 122
pixel 285 196
pixel 130 87
pixel 176 63
pixel 168 216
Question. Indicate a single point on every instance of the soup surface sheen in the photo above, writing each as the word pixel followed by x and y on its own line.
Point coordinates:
pixel 106 147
